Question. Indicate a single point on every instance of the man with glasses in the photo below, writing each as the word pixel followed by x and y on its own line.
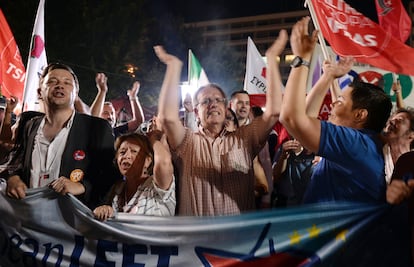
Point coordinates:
pixel 215 166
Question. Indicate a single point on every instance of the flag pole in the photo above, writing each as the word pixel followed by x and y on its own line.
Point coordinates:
pixel 189 65
pixel 335 88
pixel 322 42
pixel 36 61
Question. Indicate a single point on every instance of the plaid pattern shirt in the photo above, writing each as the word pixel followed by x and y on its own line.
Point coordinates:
pixel 216 174
pixel 149 199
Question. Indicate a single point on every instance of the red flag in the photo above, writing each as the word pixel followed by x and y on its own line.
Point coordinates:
pixel 352 34
pixel 393 18
pixel 257 100
pixel 12 71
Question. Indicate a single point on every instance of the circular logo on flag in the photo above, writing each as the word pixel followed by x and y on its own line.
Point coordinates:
pixel 79 155
pixel 76 175
pixel 372 77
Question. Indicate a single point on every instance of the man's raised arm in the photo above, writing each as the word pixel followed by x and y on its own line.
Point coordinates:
pixel 331 71
pixel 274 85
pixel 293 115
pixel 168 103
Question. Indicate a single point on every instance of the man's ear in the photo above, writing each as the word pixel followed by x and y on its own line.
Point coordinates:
pixel 229 104
pixel 411 136
pixel 39 93
pixel 361 115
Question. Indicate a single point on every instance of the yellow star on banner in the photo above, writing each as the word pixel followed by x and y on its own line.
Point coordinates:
pixel 314 231
pixel 342 235
pixel 295 238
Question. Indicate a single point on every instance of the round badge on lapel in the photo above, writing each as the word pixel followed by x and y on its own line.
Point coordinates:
pixel 79 155
pixel 76 175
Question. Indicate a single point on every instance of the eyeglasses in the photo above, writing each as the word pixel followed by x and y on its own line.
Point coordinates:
pixel 209 101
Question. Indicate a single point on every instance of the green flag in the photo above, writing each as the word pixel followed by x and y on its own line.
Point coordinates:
pixel 196 74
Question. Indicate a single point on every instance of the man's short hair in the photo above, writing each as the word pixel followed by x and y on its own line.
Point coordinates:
pixel 109 104
pixel 238 92
pixel 372 98
pixel 410 113
pixel 54 66
pixel 202 88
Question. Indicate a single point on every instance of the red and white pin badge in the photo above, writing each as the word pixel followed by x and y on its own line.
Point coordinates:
pixel 79 155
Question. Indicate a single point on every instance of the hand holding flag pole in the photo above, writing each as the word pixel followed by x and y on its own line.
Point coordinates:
pixel 335 88
pixel 322 42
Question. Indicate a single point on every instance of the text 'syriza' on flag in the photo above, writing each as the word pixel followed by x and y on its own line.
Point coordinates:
pixel 196 75
pixel 362 39
pixel 393 18
pixel 12 71
pixel 36 62
pixel 255 77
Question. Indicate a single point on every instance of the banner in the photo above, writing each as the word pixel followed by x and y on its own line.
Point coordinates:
pixel 350 33
pixel 48 229
pixel 12 71
pixel 255 77
pixel 367 73
pixel 36 62
pixel 393 18
pixel 372 75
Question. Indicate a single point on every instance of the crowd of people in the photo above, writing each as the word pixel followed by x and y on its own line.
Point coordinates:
pixel 222 159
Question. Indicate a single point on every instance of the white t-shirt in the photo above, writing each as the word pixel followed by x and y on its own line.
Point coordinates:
pixel 389 164
pixel 47 155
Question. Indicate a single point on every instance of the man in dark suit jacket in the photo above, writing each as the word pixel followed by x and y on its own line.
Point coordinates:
pixel 80 161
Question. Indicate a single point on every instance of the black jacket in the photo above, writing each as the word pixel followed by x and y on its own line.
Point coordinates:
pixel 89 148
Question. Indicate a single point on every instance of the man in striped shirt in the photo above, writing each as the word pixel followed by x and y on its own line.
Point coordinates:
pixel 215 167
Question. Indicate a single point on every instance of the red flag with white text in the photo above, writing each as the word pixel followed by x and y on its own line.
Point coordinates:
pixel 12 71
pixel 393 18
pixel 352 34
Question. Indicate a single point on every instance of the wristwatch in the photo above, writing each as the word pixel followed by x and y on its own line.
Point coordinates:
pixel 298 61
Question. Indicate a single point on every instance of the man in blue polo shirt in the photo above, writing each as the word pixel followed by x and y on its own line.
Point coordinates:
pixel 352 165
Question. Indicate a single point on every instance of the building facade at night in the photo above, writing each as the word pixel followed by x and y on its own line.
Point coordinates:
pixel 263 29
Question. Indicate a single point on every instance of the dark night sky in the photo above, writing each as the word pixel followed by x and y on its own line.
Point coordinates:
pixel 200 10
pixel 216 9
pixel 189 10
pixel 205 10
